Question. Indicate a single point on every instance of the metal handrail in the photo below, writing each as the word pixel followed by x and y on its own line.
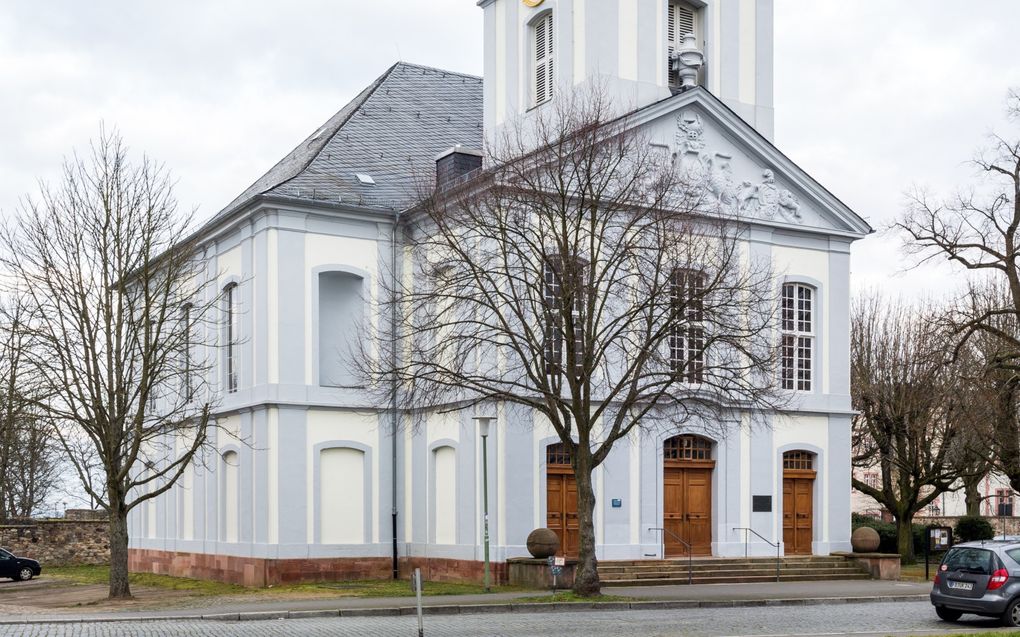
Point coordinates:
pixel 777 544
pixel 687 549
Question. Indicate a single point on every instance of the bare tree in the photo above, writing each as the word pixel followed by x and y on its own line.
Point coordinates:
pixel 977 231
pixel 909 405
pixel 115 296
pixel 588 277
pixel 29 462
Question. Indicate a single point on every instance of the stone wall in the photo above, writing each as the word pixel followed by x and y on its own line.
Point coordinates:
pixel 58 542
pixel 253 571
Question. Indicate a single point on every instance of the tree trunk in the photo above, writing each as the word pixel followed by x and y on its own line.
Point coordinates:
pixel 586 574
pixel 905 538
pixel 120 588
pixel 972 495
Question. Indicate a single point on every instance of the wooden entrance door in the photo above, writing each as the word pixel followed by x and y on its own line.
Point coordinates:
pixel 687 495
pixel 687 510
pixel 798 502
pixel 561 510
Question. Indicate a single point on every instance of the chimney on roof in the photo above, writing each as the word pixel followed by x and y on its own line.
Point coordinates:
pixel 455 164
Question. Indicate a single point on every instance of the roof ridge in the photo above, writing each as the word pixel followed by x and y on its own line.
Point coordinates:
pixel 437 69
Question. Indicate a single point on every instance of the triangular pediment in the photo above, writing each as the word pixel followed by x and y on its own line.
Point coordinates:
pixel 736 167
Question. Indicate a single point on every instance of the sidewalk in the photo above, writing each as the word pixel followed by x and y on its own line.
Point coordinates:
pixel 652 597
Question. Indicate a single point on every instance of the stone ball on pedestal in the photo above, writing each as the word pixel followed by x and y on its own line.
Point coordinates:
pixel 865 540
pixel 543 543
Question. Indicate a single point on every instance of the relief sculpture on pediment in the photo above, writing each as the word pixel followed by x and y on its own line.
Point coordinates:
pixel 710 175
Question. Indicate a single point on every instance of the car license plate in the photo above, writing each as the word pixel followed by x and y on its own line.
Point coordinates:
pixel 961 586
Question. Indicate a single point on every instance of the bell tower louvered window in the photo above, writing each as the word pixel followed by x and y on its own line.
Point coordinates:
pixel 542 52
pixel 681 20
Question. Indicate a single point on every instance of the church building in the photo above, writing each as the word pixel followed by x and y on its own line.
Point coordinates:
pixel 308 478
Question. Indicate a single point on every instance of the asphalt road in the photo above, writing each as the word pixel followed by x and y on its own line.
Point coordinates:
pixel 903 618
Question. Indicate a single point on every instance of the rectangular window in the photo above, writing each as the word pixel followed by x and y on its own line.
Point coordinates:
pixel 542 49
pixel 230 318
pixel 687 334
pixel 1004 503
pixel 797 344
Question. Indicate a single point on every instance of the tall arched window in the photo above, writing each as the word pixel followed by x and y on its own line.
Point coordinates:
pixel 542 58
pixel 230 335
pixel 798 337
pixel 687 334
pixel 341 308
pixel 231 496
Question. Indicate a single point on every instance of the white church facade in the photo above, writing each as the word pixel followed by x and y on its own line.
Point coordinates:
pixel 309 479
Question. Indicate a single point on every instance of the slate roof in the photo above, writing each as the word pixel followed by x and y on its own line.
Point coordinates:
pixel 392 131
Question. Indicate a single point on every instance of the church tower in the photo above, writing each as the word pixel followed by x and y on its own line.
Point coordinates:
pixel 536 48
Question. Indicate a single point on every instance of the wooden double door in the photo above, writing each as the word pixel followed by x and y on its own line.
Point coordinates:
pixel 561 509
pixel 687 508
pixel 798 511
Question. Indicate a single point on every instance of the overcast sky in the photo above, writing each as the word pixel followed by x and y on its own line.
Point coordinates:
pixel 871 98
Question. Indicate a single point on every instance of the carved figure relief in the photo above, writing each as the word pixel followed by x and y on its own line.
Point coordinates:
pixel 711 176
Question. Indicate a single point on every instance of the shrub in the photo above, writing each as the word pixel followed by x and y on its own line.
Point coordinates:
pixel 972 528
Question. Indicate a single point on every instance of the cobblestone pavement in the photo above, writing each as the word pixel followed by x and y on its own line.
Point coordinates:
pixel 834 619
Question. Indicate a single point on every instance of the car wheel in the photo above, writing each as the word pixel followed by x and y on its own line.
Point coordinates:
pixel 24 574
pixel 1012 615
pixel 948 614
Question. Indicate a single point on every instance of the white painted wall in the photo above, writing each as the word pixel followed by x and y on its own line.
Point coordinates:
pixel 341 496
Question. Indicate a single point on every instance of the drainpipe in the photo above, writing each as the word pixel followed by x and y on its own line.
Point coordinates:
pixel 393 386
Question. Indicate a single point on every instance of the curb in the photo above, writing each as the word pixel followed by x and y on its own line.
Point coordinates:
pixel 478 609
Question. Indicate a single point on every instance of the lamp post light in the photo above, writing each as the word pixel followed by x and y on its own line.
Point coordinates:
pixel 483 430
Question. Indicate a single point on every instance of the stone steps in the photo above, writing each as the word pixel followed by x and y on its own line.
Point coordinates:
pixel 726 571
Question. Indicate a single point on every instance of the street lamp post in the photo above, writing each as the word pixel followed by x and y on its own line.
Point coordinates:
pixel 483 430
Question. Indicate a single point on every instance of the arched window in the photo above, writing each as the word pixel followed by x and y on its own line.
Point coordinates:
pixel 687 334
pixel 341 308
pixel 682 19
pixel 230 335
pixel 562 284
pixel 187 382
pixel 542 58
pixel 231 496
pixel 798 337
pixel 798 460
pixel 444 495
pixel 687 448
pixel 342 495
pixel 557 454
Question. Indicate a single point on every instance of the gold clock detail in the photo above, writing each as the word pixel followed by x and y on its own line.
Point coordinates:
pixel 532 3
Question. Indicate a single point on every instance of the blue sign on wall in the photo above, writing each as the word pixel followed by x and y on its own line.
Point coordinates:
pixel 617 503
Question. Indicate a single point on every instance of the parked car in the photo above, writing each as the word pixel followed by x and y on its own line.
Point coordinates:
pixel 981 578
pixel 18 569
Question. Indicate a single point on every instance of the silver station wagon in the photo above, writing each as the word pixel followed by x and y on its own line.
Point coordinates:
pixel 981 578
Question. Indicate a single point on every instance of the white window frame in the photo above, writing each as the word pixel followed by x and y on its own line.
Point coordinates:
pixel 797 323
pixel 230 328
pixel 541 52
pixel 687 334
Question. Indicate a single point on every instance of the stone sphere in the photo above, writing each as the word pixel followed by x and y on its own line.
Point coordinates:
pixel 865 540
pixel 543 543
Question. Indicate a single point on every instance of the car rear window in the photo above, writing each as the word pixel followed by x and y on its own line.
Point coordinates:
pixel 971 560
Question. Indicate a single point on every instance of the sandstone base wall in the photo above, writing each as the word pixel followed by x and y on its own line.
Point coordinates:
pixel 259 572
